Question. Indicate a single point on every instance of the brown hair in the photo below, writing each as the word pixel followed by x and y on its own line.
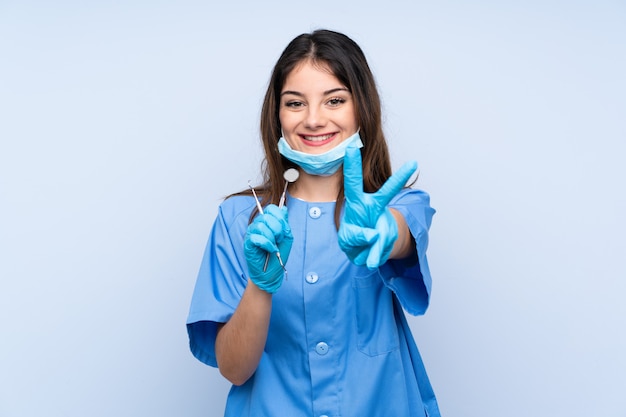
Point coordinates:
pixel 346 61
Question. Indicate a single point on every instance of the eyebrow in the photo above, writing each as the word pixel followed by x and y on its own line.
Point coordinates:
pixel 327 92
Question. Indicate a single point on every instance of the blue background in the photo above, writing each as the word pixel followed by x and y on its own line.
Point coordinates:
pixel 122 124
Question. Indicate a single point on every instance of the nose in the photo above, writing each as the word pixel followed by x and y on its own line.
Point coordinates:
pixel 314 118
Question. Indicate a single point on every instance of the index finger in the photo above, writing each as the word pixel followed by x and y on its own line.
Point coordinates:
pixel 352 173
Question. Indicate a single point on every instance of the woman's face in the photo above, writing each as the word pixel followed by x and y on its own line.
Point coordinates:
pixel 316 109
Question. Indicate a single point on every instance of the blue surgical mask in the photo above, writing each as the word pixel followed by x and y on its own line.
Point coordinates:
pixel 323 164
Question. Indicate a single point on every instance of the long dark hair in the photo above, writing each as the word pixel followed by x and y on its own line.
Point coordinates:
pixel 345 59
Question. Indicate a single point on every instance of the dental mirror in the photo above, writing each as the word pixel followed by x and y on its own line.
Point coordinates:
pixel 290 175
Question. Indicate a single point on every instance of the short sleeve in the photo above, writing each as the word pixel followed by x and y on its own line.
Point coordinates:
pixel 221 281
pixel 410 278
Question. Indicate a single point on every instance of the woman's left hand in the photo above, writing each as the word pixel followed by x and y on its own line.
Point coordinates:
pixel 368 230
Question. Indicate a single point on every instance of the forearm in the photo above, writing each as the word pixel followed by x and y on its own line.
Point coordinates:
pixel 404 245
pixel 240 342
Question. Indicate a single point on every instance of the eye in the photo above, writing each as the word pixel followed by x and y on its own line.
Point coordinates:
pixel 336 101
pixel 294 104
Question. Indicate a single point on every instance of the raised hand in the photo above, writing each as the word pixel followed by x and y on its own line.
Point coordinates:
pixel 368 230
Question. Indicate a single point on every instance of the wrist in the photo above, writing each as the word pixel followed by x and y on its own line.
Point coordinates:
pixel 257 290
pixel 267 285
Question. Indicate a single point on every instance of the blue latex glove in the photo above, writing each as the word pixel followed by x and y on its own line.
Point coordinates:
pixel 268 233
pixel 368 230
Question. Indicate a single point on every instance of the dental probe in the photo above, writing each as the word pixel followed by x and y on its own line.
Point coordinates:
pixel 258 205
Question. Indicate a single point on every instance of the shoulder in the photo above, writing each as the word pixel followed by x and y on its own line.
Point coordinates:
pixel 413 205
pixel 236 209
pixel 411 196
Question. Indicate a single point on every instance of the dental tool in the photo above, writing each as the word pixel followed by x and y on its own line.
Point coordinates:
pixel 267 258
pixel 290 175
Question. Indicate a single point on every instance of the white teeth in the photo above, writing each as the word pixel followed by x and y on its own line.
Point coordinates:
pixel 318 138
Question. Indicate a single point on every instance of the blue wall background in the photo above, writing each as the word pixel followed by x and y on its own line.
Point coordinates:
pixel 122 124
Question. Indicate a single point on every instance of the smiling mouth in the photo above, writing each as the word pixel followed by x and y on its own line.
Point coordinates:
pixel 320 138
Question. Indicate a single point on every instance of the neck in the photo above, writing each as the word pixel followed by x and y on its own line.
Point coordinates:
pixel 314 188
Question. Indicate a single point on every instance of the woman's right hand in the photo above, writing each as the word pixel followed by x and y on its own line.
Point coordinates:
pixel 268 233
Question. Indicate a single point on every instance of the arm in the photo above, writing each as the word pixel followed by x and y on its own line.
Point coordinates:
pixel 409 276
pixel 240 342
pixel 404 246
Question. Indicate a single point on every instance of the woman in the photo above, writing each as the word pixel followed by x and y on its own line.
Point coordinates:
pixel 316 327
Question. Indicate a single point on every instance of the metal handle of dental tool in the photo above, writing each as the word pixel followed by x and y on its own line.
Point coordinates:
pixel 290 175
pixel 260 207
pixel 256 199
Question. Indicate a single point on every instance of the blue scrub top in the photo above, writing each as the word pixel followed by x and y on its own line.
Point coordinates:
pixel 338 341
